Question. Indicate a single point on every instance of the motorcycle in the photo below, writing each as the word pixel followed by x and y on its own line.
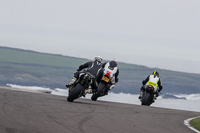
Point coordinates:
pixel 148 96
pixel 104 85
pixel 78 88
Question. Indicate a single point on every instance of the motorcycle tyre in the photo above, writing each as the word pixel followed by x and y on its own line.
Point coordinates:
pixel 99 91
pixel 145 99
pixel 75 93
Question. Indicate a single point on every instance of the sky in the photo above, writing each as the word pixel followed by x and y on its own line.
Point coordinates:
pixel 158 33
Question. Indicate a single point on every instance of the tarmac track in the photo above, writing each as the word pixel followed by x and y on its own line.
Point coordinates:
pixel 27 112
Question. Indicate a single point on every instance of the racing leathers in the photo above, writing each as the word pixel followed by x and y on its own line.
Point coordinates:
pixel 111 68
pixel 94 68
pixel 154 81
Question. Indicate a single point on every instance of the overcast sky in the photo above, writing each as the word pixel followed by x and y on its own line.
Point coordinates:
pixel 154 33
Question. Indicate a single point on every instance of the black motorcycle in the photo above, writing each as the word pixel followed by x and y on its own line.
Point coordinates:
pixel 78 88
pixel 103 87
pixel 148 96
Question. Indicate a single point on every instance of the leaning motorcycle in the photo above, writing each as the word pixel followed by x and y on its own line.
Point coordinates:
pixel 78 88
pixel 104 85
pixel 148 96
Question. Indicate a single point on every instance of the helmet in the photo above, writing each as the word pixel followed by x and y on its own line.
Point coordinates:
pixel 98 59
pixel 113 63
pixel 156 73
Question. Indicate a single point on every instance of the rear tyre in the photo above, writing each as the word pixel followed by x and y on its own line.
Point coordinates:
pixel 74 93
pixel 145 99
pixel 99 91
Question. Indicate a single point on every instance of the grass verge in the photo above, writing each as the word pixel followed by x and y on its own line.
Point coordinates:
pixel 195 123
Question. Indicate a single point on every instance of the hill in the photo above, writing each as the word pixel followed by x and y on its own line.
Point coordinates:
pixel 30 68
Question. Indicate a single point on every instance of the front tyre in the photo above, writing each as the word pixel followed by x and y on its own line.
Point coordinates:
pixel 74 93
pixel 99 91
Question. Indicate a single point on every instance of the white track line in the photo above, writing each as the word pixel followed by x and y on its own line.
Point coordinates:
pixel 187 123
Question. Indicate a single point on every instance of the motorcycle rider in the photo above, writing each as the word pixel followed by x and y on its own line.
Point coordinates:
pixel 94 68
pixel 153 80
pixel 111 66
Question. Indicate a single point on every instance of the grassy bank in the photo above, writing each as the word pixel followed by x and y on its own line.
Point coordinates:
pixel 25 67
pixel 195 123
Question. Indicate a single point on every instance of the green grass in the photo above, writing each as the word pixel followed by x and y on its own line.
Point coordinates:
pixel 35 58
pixel 195 123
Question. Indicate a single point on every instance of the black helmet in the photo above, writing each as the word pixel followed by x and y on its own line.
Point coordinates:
pixel 156 73
pixel 113 63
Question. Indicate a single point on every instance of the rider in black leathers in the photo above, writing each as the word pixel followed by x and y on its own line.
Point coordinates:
pixel 94 68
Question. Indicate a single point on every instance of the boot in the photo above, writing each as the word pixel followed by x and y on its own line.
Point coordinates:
pixel 155 97
pixel 87 91
pixel 141 93
pixel 73 80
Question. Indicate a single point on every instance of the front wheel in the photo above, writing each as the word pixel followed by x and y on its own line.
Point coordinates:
pixel 74 93
pixel 99 91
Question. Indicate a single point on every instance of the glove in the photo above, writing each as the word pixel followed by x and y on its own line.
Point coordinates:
pixel 112 86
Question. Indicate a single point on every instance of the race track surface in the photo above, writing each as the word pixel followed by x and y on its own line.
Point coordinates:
pixel 27 112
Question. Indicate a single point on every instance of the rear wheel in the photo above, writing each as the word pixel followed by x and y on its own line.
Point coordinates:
pixel 74 93
pixel 99 91
pixel 145 99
